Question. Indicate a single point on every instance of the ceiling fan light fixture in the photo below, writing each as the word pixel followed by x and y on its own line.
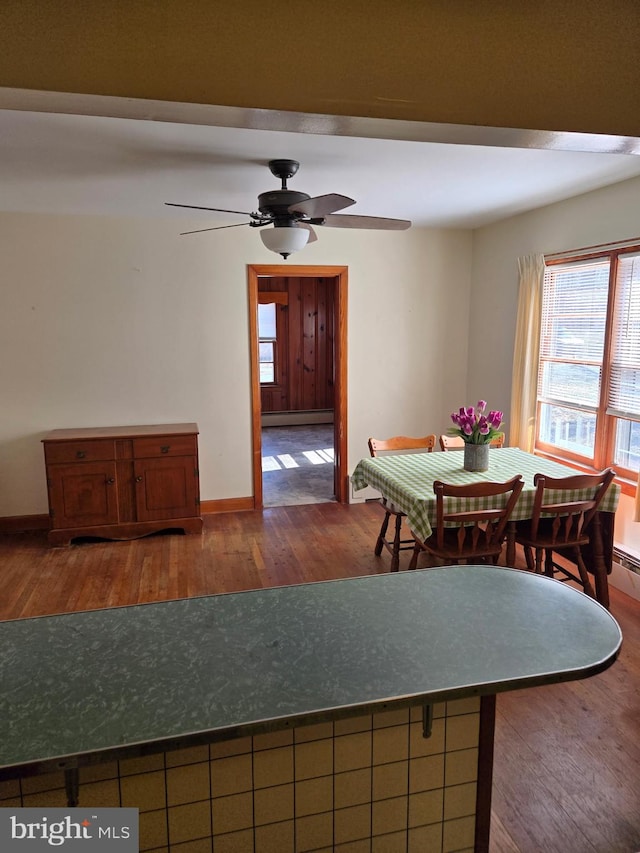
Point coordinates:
pixel 284 239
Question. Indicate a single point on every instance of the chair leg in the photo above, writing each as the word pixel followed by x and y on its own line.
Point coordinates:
pixel 413 564
pixel 539 553
pixel 395 555
pixel 528 555
pixel 584 574
pixel 548 563
pixel 382 534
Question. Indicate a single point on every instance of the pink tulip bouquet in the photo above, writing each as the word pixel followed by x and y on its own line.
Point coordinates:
pixel 474 426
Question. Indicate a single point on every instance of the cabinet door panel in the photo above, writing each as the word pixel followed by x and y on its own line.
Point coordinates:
pixel 166 488
pixel 83 495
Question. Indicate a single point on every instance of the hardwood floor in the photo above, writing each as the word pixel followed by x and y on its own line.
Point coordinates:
pixel 567 756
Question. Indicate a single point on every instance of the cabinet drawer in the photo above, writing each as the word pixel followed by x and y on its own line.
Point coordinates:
pixel 79 451
pixel 164 445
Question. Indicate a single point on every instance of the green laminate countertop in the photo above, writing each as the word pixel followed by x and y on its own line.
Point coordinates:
pixel 81 687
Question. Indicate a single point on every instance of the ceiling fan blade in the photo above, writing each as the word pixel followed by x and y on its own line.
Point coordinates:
pixel 379 222
pixel 312 234
pixel 216 209
pixel 322 205
pixel 217 228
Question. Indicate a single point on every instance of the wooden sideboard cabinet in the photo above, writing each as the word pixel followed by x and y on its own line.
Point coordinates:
pixel 122 482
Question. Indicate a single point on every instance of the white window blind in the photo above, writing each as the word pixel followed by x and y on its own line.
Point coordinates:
pixel 574 311
pixel 624 383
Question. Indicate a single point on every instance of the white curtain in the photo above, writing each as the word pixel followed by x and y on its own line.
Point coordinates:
pixel 637 515
pixel 525 355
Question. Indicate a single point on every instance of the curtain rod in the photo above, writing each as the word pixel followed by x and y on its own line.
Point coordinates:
pixel 618 244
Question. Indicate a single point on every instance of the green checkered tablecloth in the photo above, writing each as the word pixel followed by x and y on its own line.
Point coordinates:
pixel 407 480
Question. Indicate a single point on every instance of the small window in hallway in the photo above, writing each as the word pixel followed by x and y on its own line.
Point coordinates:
pixel 267 342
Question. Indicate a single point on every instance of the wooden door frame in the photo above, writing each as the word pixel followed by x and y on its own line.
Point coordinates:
pixel 254 272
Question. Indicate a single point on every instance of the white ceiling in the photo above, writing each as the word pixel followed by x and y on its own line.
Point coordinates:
pixel 93 164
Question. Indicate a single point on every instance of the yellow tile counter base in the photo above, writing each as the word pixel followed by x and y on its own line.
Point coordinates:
pixel 370 783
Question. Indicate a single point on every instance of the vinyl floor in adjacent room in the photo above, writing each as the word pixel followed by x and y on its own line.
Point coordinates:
pixel 297 465
pixel 567 756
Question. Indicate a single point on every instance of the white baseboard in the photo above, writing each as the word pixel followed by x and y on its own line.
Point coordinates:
pixel 625 580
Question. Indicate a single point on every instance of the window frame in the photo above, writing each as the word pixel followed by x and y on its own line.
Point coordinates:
pixel 605 427
pixel 274 362
pixel 278 299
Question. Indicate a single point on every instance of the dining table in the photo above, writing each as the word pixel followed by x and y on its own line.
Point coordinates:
pixel 406 480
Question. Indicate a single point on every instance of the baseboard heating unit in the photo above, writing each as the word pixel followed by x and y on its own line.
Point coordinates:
pixel 627 560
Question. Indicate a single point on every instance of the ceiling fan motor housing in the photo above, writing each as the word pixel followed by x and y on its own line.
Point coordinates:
pixel 276 203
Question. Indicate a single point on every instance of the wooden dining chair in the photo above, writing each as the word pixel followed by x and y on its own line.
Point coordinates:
pixel 396 444
pixel 454 442
pixel 471 522
pixel 563 523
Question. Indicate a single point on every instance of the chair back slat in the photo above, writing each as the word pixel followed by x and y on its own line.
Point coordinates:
pixel 401 443
pixel 462 535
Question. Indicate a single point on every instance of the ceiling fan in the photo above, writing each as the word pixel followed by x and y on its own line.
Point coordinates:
pixel 293 214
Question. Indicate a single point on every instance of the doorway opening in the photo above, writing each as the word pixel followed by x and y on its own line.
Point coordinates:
pixel 298 383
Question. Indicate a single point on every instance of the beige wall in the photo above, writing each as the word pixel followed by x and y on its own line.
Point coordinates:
pixel 120 321
pixel 555 65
